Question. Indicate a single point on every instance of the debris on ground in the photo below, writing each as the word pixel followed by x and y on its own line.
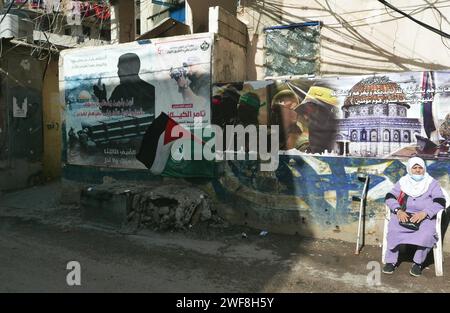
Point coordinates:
pixel 170 207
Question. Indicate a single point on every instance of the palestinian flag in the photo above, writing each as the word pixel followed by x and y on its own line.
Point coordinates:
pixel 428 92
pixel 157 143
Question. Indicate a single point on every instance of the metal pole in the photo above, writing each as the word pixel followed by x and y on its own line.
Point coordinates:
pixel 360 220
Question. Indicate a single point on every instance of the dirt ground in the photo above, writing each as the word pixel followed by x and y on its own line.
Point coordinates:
pixel 38 238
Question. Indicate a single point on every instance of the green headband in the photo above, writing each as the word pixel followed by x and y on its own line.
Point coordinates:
pixel 250 100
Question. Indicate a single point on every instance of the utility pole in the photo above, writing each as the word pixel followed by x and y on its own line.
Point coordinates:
pixel 122 21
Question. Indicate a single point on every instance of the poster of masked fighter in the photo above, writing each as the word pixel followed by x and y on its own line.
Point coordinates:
pixel 306 112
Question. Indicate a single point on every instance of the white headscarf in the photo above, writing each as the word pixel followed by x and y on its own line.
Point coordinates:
pixel 415 188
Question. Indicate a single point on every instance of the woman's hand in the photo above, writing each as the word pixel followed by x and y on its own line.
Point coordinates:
pixel 418 217
pixel 402 216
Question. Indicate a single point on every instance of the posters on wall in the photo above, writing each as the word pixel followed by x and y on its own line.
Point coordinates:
pixel 393 115
pixel 240 105
pixel 241 102
pixel 20 109
pixel 113 95
pixel 386 115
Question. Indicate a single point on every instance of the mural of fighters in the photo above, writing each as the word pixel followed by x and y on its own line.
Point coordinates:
pixel 132 94
pixel 285 116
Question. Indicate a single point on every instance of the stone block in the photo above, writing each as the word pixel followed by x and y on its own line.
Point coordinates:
pixel 103 207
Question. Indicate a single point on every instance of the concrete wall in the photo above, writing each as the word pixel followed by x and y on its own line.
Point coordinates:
pixel 230 47
pixel 313 195
pixel 229 60
pixel 52 112
pixel 227 26
pixel 122 21
pixel 308 196
pixel 357 36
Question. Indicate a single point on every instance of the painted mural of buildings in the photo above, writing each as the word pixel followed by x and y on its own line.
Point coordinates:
pixel 375 119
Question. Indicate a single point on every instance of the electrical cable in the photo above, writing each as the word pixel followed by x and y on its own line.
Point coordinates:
pixel 7 11
pixel 431 28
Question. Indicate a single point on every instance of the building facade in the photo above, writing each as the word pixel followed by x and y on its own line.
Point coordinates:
pixel 356 36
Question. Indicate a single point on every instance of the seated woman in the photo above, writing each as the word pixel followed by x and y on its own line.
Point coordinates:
pixel 424 200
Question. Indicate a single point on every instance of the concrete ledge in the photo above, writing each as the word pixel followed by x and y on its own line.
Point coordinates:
pixel 20 174
pixel 240 203
pixel 102 206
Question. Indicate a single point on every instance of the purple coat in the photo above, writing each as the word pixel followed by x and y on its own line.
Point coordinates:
pixel 426 235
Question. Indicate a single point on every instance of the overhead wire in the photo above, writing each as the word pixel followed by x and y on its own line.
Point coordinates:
pixel 439 20
pixel 421 58
pixel 429 27
pixel 7 11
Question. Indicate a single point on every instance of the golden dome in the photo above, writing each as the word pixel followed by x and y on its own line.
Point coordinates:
pixel 373 90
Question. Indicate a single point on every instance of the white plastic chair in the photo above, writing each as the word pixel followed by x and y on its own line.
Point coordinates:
pixel 437 249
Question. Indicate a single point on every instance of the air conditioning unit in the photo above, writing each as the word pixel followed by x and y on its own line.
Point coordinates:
pixel 14 26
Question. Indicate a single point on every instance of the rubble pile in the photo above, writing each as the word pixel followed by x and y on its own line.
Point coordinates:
pixel 169 206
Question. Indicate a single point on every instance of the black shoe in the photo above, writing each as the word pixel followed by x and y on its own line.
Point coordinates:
pixel 416 270
pixel 389 268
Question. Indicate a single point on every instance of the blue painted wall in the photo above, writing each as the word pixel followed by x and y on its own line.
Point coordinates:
pixel 324 184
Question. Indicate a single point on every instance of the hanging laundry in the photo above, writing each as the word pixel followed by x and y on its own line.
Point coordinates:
pixel 102 11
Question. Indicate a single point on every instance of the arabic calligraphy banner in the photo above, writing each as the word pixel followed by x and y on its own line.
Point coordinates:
pixel 113 94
